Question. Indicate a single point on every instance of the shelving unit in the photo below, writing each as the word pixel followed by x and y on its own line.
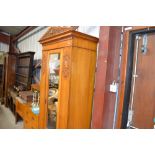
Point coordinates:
pixel 24 69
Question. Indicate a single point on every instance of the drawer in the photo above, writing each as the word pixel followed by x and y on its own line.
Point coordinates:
pixel 20 108
pixel 34 126
pixel 30 124
pixel 34 121
pixel 27 124
pixel 31 120
pixel 34 118
pixel 27 113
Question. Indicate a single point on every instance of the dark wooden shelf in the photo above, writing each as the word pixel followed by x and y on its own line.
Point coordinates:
pixel 22 66
pixel 23 57
pixel 25 84
pixel 25 76
pixel 24 69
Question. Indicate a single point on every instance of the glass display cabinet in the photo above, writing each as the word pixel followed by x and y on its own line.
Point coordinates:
pixel 67 79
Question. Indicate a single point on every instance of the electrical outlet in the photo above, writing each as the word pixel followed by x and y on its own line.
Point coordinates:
pixel 113 87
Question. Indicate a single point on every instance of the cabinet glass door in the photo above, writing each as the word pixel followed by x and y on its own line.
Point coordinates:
pixel 54 67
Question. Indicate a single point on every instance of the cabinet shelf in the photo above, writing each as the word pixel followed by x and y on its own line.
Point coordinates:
pixel 22 66
pixel 25 84
pixel 25 76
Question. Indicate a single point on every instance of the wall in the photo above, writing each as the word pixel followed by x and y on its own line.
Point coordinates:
pixel 1 57
pixel 29 42
pixel 4 47
pixel 91 30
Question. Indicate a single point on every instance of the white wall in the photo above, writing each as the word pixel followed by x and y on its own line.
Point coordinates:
pixel 91 30
pixel 4 47
pixel 1 57
pixel 29 42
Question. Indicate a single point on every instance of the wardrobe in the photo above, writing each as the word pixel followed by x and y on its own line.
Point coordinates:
pixel 67 79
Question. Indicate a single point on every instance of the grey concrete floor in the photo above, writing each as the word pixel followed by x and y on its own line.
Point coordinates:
pixel 7 119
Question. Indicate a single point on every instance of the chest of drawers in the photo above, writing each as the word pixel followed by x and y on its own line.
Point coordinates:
pixel 24 110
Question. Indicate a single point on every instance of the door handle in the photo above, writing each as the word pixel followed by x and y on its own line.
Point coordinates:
pixel 135 75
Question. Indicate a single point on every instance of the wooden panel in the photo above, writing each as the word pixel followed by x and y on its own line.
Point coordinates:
pixel 66 35
pixel 97 120
pixel 20 109
pixel 33 119
pixel 77 42
pixel 83 43
pixel 107 72
pixel 64 88
pixel 27 122
pixel 43 91
pixel 82 88
pixel 111 75
pixel 9 69
pixel 57 45
pixel 27 112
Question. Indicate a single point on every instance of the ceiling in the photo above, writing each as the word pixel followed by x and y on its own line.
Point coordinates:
pixel 12 30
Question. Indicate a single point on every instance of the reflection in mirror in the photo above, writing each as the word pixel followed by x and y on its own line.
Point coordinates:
pixel 54 66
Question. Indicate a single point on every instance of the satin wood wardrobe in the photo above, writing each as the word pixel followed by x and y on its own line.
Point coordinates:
pixel 69 59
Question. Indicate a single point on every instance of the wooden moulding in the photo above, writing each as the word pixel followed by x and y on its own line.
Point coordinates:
pixel 67 37
pixel 55 30
pixel 70 42
pixel 124 69
pixel 67 34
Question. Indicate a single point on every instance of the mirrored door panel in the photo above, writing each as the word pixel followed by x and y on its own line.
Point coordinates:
pixel 54 67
